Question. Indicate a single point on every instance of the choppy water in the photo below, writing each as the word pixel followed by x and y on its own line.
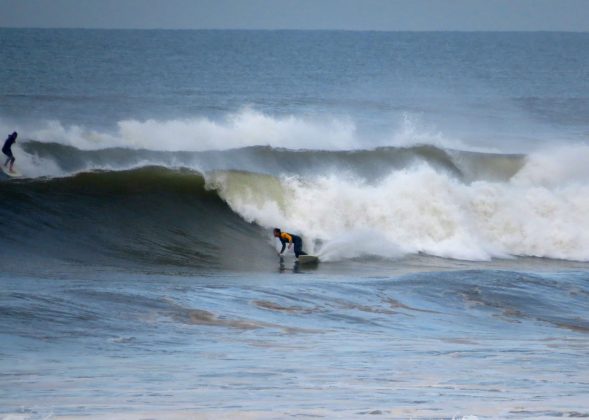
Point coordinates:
pixel 440 177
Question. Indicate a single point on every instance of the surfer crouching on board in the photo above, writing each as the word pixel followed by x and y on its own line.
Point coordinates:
pixel 291 239
pixel 6 150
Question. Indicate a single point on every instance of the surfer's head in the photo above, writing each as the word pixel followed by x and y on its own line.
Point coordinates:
pixel 276 232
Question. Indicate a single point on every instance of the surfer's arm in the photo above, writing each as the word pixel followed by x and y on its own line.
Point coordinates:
pixel 285 236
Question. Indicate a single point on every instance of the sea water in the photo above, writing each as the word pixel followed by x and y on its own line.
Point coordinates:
pixel 440 177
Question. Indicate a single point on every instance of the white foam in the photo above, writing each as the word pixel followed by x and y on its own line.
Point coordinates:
pixel 422 210
pixel 556 166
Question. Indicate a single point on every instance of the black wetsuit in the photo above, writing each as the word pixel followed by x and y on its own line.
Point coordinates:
pixel 296 240
pixel 6 148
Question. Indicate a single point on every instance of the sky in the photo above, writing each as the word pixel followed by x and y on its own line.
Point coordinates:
pixel 380 15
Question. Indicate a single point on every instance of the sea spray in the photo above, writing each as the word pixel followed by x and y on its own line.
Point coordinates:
pixel 243 128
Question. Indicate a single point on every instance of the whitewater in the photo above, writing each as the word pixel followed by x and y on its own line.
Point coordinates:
pixel 447 204
pixel 382 201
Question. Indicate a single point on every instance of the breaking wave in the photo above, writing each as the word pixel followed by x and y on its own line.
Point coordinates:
pixel 215 208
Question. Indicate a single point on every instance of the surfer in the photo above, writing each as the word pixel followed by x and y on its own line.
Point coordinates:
pixel 291 239
pixel 6 150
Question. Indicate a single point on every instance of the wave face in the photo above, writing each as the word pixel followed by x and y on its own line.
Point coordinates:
pixel 215 208
pixel 139 218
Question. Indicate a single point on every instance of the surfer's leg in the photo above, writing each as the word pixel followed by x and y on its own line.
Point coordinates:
pixel 10 158
pixel 298 248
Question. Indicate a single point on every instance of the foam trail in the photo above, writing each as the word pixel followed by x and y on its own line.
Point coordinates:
pixel 357 244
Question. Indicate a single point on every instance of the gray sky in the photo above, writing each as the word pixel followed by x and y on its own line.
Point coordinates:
pixel 418 15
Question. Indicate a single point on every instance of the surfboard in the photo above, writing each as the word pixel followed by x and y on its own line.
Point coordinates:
pixel 308 259
pixel 13 174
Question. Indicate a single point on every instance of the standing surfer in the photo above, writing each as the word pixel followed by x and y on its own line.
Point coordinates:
pixel 8 152
pixel 291 239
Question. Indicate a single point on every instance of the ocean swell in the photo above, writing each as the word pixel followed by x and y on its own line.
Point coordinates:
pixel 211 209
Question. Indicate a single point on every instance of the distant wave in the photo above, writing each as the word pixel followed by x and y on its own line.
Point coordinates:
pixel 248 127
pixel 54 159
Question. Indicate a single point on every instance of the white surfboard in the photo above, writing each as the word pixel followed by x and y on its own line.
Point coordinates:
pixel 13 174
pixel 308 259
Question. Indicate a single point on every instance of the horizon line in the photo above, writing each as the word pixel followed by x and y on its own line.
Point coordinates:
pixel 298 29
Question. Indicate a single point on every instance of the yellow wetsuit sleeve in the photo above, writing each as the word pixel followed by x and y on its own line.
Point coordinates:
pixel 286 236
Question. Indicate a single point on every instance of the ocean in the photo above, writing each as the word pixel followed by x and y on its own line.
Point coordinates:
pixel 441 178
